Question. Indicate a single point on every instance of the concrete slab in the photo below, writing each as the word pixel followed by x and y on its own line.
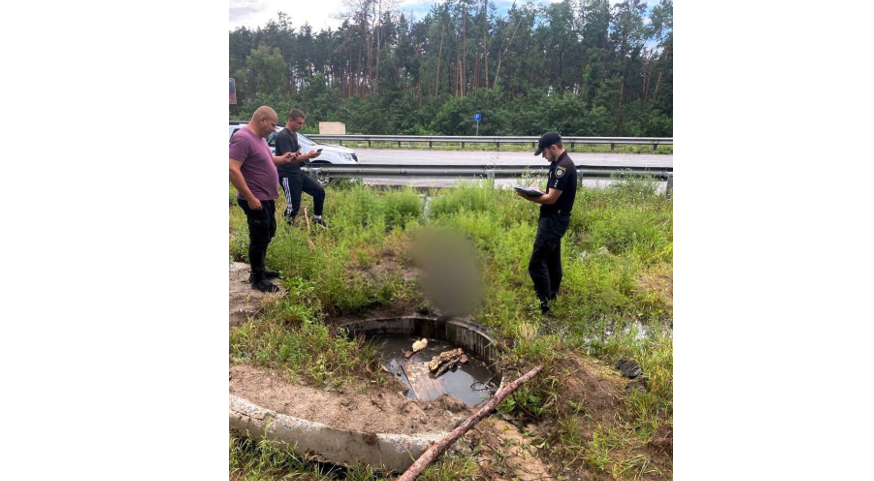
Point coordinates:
pixel 334 445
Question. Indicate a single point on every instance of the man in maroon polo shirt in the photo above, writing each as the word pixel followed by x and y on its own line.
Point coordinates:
pixel 252 170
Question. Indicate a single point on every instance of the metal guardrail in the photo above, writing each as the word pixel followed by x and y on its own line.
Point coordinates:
pixel 486 171
pixel 324 172
pixel 498 140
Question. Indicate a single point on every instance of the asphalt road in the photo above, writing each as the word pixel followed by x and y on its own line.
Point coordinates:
pixel 475 157
pixel 422 182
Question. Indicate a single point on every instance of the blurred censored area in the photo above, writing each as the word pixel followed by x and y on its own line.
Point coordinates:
pixel 451 275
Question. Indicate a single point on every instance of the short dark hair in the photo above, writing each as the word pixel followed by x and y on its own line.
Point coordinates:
pixel 560 144
pixel 295 114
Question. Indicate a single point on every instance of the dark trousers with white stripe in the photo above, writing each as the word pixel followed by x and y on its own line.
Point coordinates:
pixel 293 185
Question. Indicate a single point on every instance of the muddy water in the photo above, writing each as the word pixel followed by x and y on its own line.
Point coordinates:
pixel 466 383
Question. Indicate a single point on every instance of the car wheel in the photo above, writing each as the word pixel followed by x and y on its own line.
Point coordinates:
pixel 323 179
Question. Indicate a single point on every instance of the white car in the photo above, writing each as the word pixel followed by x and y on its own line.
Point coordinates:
pixel 331 154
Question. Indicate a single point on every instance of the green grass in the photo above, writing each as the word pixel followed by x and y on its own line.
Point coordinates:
pixel 263 460
pixel 362 231
pixel 456 146
pixel 615 302
pixel 287 338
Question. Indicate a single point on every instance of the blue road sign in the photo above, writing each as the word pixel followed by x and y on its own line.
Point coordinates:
pixel 477 117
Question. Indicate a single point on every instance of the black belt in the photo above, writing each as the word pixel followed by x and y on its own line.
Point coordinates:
pixel 558 213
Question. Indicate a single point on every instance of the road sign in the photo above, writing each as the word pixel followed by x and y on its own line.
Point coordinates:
pixel 477 116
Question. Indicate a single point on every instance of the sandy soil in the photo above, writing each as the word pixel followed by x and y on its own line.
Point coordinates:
pixel 375 411
pixel 243 301
pixel 505 454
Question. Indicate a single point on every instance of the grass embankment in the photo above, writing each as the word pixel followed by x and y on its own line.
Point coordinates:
pixel 577 148
pixel 616 302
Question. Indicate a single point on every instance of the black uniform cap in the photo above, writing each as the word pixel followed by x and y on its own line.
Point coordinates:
pixel 547 139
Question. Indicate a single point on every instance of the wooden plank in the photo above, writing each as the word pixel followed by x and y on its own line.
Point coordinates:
pixel 424 386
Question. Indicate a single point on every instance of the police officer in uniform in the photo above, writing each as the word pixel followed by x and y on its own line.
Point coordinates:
pixel 555 214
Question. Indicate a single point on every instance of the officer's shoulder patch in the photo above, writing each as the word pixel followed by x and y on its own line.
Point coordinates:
pixel 560 171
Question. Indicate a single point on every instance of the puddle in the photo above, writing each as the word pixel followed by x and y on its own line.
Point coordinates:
pixel 634 329
pixel 472 383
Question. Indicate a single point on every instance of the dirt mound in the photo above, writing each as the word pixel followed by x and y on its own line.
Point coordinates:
pixel 505 454
pixel 450 403
pixel 594 389
pixel 386 268
pixel 661 448
pixel 378 410
pixel 593 393
pixel 659 283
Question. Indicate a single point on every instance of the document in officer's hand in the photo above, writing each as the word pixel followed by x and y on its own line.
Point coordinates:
pixel 529 191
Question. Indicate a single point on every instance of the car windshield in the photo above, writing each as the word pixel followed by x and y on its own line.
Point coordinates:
pixel 303 140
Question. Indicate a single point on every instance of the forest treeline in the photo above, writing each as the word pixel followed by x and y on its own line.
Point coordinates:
pixel 580 67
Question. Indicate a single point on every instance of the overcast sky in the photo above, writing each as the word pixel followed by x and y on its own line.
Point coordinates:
pixel 320 13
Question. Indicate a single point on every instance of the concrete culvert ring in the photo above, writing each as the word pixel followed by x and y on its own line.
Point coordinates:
pixel 333 427
pixel 478 377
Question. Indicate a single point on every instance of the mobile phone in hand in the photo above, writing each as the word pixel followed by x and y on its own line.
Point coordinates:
pixel 318 150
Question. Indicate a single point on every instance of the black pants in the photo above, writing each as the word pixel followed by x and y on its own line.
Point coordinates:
pixel 292 185
pixel 262 228
pixel 545 264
